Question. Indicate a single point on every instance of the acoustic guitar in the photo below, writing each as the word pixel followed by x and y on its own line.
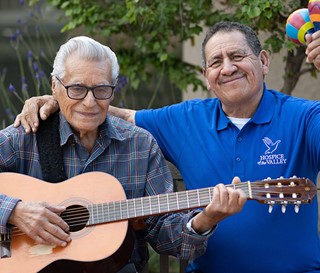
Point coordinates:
pixel 98 213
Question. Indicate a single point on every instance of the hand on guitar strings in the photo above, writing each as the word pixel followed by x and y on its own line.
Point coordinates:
pixel 41 222
pixel 225 201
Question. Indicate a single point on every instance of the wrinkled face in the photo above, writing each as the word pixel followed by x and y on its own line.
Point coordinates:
pixel 232 71
pixel 87 114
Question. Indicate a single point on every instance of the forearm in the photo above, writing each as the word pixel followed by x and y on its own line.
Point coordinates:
pixel 170 235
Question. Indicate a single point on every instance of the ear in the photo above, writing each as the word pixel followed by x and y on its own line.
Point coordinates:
pixel 204 72
pixel 53 86
pixel 265 61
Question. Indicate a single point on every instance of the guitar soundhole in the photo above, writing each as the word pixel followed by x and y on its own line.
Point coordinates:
pixel 76 217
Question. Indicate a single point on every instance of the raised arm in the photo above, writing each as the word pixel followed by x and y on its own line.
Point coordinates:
pixel 46 105
pixel 126 114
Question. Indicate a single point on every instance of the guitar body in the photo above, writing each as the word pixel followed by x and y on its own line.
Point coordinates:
pixel 91 243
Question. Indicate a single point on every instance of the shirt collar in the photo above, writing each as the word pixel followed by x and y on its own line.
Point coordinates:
pixel 263 114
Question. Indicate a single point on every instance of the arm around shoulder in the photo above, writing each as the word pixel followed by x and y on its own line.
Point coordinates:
pixel 126 114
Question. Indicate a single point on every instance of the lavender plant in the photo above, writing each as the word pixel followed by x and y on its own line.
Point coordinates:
pixel 34 50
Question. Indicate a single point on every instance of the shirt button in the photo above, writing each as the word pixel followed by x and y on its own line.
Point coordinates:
pixel 238 159
pixel 239 139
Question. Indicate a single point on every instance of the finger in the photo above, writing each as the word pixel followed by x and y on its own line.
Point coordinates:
pixel 53 237
pixel 316 35
pixel 16 122
pixel 236 180
pixel 55 219
pixel 47 106
pixel 43 113
pixel 24 123
pixel 223 195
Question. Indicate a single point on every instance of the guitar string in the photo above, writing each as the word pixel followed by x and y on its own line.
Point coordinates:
pixel 76 216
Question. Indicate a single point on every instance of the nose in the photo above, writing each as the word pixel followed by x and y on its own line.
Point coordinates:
pixel 89 99
pixel 228 67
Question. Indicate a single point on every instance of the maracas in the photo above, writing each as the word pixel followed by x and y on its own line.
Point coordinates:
pixel 314 13
pixel 298 25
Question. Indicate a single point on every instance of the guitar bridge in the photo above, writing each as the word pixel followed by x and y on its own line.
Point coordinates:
pixel 5 245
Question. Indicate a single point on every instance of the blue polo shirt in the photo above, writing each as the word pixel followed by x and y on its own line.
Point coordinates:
pixel 281 139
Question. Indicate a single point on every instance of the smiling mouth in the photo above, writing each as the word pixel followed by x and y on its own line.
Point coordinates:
pixel 88 114
pixel 231 79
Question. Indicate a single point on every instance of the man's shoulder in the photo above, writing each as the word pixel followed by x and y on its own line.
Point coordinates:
pixel 293 101
pixel 11 131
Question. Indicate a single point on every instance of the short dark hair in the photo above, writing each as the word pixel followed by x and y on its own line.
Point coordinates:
pixel 250 36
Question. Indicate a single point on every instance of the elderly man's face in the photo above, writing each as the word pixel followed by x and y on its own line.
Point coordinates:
pixel 233 72
pixel 87 114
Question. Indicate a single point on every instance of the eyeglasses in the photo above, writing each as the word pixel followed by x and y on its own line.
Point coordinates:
pixel 79 92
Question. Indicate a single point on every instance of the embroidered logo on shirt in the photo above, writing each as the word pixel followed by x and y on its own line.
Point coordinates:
pixel 270 157
pixel 270 145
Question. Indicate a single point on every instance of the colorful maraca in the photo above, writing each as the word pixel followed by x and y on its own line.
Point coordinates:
pixel 298 25
pixel 314 13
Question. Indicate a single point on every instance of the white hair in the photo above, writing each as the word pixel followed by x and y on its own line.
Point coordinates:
pixel 88 49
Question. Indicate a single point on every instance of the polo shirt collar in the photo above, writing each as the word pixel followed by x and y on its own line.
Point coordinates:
pixel 263 114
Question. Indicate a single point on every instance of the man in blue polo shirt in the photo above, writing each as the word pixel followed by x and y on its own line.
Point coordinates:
pixel 247 131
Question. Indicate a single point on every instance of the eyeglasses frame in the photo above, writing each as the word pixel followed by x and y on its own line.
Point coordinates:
pixel 89 88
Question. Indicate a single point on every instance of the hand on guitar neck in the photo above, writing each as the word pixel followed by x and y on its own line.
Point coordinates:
pixel 226 201
pixel 41 222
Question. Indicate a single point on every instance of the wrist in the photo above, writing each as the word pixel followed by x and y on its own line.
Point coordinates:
pixel 202 223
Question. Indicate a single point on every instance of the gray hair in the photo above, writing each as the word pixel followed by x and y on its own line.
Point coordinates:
pixel 250 36
pixel 88 49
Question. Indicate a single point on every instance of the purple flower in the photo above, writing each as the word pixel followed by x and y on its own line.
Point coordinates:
pixel 21 2
pixel 35 66
pixel 30 55
pixel 18 32
pixel 38 76
pixel 42 74
pixel 8 111
pixel 12 88
pixel 122 82
pixel 13 38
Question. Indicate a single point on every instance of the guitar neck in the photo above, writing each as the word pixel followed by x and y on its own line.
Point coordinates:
pixel 150 205
pixel 277 191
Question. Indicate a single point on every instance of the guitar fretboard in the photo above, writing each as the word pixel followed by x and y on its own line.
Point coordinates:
pixel 150 205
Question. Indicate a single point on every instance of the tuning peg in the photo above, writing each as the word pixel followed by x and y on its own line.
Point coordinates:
pixel 270 208
pixel 271 204
pixel 284 207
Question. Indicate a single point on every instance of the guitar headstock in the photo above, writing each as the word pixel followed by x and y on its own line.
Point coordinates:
pixel 282 191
